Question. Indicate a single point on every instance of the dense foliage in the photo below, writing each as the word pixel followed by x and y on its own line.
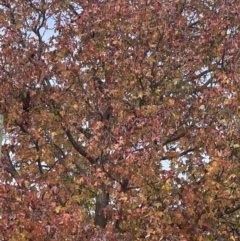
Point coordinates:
pixel 121 120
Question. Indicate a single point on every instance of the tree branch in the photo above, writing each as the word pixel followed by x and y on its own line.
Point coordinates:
pixel 38 159
pixel 181 154
pixel 78 147
pixel 174 138
pixel 10 167
pixel 232 210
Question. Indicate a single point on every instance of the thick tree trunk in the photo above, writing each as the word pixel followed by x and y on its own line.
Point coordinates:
pixel 102 200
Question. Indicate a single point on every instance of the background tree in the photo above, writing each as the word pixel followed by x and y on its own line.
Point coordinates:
pixel 97 96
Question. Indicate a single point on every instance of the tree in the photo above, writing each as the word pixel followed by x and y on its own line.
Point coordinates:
pixel 97 97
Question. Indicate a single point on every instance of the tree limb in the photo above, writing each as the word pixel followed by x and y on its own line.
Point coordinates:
pixel 78 147
pixel 10 167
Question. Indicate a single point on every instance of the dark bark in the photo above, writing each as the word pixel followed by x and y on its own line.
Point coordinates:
pixel 26 99
pixel 10 168
pixel 78 146
pixel 124 187
pixel 107 113
pixel 102 200
pixel 99 85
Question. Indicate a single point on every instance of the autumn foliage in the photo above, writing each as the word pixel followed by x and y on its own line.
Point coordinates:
pixel 122 120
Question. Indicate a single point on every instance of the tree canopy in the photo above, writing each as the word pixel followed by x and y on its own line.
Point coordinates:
pixel 121 120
